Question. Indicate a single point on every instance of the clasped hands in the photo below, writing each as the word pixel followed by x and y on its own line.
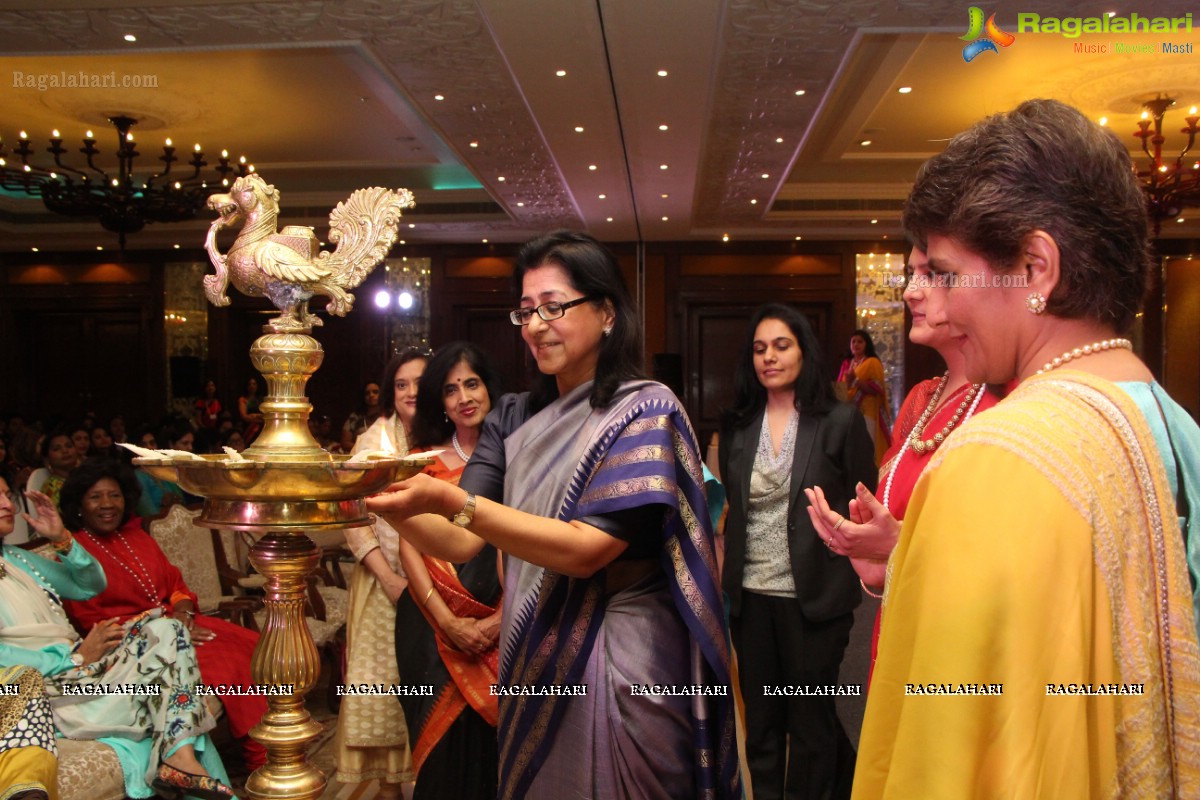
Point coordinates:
pixel 867 536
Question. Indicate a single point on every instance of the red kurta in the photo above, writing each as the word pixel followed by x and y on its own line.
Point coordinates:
pixel 140 577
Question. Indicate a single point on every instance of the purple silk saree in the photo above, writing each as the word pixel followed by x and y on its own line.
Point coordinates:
pixel 652 622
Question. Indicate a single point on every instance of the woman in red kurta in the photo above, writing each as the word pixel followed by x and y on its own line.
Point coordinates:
pixel 98 500
pixel 932 411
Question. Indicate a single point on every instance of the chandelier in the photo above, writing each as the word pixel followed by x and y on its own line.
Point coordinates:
pixel 123 203
pixel 1169 186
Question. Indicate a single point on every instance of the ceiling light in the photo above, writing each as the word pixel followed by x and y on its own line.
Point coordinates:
pixel 562 73
pixel 1167 183
pixel 579 129
pixel 439 97
pixel 664 219
pixel 778 140
pixel 725 238
pixel 403 242
pixel 134 201
pixel 34 249
pixel 412 224
pixel 521 205
pixel 662 166
pixel 609 219
pixel 485 241
pixel 874 222
pixel 1179 219
pixel 799 93
pixel 1103 121
pixel 865 143
pixel 99 247
pixel 905 90
pixel 766 175
pixel 474 144
pixel 798 238
pixel 176 246
pixel 500 178
pixel 592 167
pixel 665 196
pixel 129 37
pixel 663 127
pixel 753 202
pixel 603 196
pixel 662 73
pixel 382 299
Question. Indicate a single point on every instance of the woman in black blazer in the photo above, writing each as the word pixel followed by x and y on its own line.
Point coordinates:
pixel 791 599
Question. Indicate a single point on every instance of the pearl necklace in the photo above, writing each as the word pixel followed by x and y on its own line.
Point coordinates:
pixel 963 411
pixel 919 445
pixel 42 582
pixel 1087 350
pixel 146 585
pixel 458 447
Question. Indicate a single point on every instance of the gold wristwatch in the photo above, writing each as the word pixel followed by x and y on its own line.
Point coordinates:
pixel 463 518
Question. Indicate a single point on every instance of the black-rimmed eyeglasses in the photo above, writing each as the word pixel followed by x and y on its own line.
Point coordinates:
pixel 547 311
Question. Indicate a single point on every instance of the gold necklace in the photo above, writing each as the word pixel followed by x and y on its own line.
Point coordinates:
pixel 919 445
pixel 1087 350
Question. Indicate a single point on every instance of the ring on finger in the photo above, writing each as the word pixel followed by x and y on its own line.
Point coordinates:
pixel 839 523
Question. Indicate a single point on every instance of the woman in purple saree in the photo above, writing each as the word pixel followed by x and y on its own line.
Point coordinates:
pixel 614 662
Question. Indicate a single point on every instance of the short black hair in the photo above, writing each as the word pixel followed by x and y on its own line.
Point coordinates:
pixel 87 475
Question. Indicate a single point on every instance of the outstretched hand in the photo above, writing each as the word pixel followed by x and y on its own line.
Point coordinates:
pixel 420 494
pixel 870 532
pixel 45 519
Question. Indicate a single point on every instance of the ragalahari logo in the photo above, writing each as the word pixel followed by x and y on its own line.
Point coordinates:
pixel 976 29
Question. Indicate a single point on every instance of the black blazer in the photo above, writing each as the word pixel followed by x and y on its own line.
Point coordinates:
pixel 834 452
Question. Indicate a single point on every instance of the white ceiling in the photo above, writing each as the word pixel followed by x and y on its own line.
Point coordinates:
pixel 323 97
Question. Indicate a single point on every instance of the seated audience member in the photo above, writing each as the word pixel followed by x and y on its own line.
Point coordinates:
pixel 159 738
pixel 98 501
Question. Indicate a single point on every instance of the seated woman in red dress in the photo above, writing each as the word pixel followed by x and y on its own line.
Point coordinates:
pixel 97 501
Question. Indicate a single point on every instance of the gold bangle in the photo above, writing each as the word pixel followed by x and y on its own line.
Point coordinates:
pixel 64 546
pixel 868 591
pixel 428 595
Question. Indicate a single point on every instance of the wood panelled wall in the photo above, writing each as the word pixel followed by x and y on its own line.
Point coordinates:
pixel 81 333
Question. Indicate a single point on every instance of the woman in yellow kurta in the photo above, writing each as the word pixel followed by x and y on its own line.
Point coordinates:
pixel 1037 637
pixel 866 387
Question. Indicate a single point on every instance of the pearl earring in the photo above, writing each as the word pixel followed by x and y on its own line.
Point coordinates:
pixel 1036 303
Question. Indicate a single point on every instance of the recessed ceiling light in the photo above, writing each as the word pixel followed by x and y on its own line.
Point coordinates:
pixel 662 166
pixel 905 90
pixel 129 37
pixel 99 247
pixel 778 140
pixel 725 237
pixel 485 241
pixel 1103 121
pixel 474 144
pixel 603 196
pixel 34 249
pixel 665 219
pixel 439 97
pixel 865 143
pixel 562 73
pixel 1179 220
pixel 521 204
pixel 663 127
pixel 500 178
pixel 753 202
pixel 579 129
pixel 800 92
pixel 665 196
pixel 874 222
pixel 412 224
pixel 662 73
pixel 403 242
pixel 798 238
pixel 176 246
pixel 766 175
pixel 592 167
pixel 608 219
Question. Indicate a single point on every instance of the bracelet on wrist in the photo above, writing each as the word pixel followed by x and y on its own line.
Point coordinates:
pixel 867 589
pixel 64 546
pixel 428 595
